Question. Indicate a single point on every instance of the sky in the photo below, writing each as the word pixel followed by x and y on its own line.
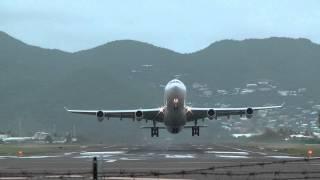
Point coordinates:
pixel 181 25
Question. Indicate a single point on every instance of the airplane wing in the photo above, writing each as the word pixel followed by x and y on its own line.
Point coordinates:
pixel 148 114
pixel 201 113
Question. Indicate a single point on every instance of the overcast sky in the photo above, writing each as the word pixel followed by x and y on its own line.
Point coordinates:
pixel 180 25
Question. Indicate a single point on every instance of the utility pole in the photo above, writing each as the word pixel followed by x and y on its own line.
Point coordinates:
pixel 95 169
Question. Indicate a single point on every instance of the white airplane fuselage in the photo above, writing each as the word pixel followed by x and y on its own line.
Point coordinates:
pixel 175 112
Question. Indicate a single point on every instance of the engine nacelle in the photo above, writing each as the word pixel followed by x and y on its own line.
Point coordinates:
pixel 138 115
pixel 100 116
pixel 249 113
pixel 211 114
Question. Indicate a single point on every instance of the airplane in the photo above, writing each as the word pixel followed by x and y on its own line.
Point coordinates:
pixel 37 137
pixel 174 114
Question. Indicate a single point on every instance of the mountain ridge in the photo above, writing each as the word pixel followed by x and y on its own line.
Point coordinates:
pixel 4 35
pixel 37 83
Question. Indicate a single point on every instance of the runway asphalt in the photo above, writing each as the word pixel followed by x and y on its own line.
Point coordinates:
pixel 174 161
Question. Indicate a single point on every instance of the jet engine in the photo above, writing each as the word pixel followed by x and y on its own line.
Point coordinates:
pixel 249 113
pixel 138 115
pixel 100 116
pixel 211 114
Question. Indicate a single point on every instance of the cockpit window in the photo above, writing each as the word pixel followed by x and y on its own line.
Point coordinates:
pixel 174 81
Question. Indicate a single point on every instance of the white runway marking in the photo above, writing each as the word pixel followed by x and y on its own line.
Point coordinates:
pixel 102 153
pixel 130 159
pixel 37 157
pixel 111 160
pixel 92 156
pixel 238 149
pixel 227 152
pixel 5 157
pixel 27 157
pixel 235 157
pixel 179 156
pixel 261 153
pixel 285 157
pixel 69 153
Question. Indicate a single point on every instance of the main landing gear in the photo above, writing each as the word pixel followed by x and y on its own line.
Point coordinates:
pixel 195 131
pixel 154 131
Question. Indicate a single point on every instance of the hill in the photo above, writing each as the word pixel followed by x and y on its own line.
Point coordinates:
pixel 36 83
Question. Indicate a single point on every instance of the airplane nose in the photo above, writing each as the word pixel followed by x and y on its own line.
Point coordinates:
pixel 176 88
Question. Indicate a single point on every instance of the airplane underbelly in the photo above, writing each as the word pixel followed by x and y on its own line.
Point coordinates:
pixel 174 121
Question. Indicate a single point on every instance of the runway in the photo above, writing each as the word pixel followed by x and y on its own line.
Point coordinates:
pixel 181 161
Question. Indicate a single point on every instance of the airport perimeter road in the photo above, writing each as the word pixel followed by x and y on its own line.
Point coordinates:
pixel 182 161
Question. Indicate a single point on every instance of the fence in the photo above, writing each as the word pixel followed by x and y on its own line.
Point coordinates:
pixel 224 170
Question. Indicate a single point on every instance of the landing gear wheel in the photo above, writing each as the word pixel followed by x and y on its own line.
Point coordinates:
pixel 195 131
pixel 198 131
pixel 154 131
